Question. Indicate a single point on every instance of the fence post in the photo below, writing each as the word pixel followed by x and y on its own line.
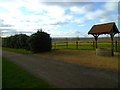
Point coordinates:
pixel 55 45
pixel 66 42
pixel 116 45
pixel 93 44
pixel 76 44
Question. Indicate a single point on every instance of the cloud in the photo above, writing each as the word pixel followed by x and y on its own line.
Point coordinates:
pixel 32 14
pixel 82 9
pixel 5 25
pixel 7 32
pixel 110 6
pixel 5 28
pixel 95 14
pixel 28 16
pixel 66 4
pixel 55 11
pixel 60 33
pixel 79 1
pixel 104 13
pixel 59 23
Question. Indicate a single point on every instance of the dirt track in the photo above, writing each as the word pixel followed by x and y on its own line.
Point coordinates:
pixel 63 74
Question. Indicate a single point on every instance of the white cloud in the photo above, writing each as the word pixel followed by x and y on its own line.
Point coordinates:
pixel 82 9
pixel 79 0
pixel 29 15
pixel 68 33
pixel 80 20
pixel 98 14
pixel 110 6
pixel 55 11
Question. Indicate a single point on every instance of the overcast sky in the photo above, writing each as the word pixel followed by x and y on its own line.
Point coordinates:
pixel 59 19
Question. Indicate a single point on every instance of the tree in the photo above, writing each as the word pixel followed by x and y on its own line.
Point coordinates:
pixel 40 42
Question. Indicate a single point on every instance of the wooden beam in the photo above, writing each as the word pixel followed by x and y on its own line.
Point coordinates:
pixel 96 38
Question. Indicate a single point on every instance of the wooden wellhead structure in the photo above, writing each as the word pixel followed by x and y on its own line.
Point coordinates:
pixel 106 28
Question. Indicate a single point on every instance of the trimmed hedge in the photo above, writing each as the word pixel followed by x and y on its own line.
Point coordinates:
pixel 16 41
pixel 37 42
pixel 40 42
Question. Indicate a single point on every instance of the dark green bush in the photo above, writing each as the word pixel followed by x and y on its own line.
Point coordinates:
pixel 37 42
pixel 40 42
pixel 22 41
pixel 16 41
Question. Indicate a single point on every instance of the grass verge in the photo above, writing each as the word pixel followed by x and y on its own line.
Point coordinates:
pixel 84 57
pixel 22 51
pixel 14 76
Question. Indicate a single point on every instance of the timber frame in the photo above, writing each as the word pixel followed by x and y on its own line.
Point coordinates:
pixel 107 28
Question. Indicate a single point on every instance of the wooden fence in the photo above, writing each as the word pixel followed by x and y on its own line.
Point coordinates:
pixel 84 45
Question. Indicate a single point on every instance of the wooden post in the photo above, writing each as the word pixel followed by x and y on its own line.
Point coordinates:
pixel 55 45
pixel 112 44
pixel 76 44
pixel 116 45
pixel 77 39
pixel 96 38
pixel 66 42
pixel 93 44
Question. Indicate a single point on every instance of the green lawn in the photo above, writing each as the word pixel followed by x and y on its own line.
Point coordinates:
pixel 14 76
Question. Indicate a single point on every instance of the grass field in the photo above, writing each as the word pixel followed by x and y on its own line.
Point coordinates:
pixel 14 76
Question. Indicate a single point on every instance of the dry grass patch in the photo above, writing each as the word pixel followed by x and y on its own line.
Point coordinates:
pixel 83 57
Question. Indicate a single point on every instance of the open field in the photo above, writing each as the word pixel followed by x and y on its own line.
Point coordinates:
pixel 14 76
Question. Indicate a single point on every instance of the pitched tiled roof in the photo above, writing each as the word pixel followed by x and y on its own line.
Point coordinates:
pixel 106 28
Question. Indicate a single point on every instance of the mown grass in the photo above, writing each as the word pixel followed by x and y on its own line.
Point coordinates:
pixel 14 76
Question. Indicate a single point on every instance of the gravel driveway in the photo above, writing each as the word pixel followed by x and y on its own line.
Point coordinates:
pixel 64 74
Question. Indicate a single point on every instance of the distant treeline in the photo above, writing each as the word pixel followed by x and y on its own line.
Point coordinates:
pixel 81 39
pixel 37 42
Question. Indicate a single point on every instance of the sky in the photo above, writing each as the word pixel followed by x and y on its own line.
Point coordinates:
pixel 65 18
